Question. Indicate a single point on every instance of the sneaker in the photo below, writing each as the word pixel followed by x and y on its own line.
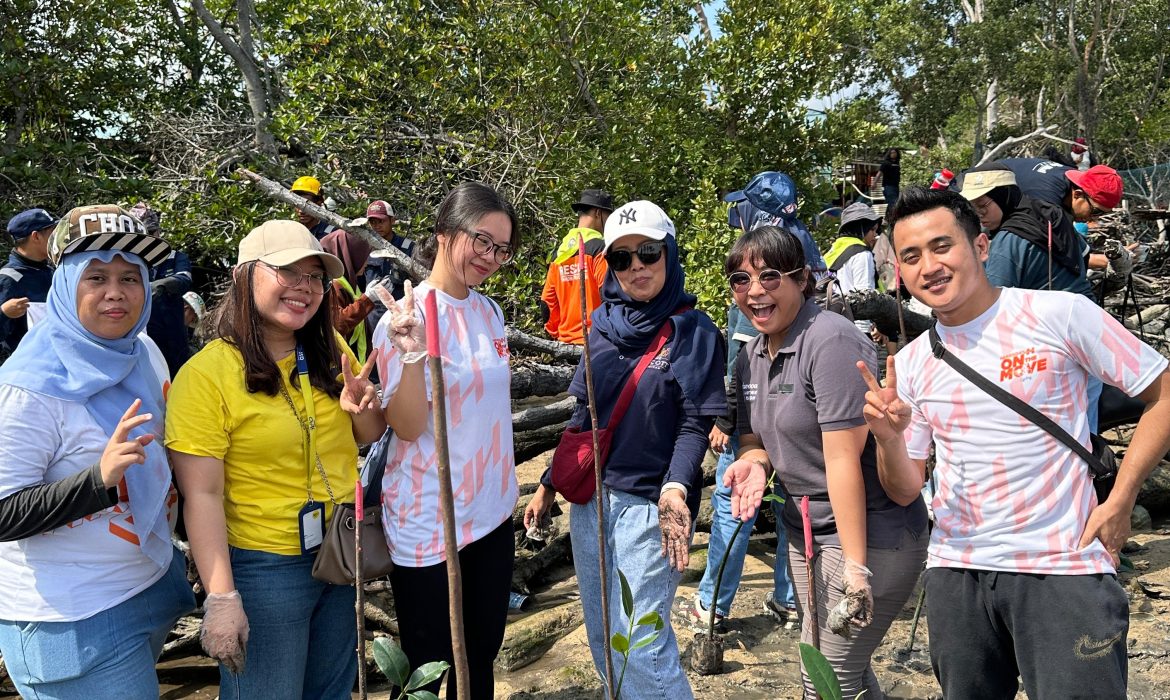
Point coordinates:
pixel 701 615
pixel 786 616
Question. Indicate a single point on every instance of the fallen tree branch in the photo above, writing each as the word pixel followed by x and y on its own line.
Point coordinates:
pixel 540 380
pixel 993 153
pixel 882 309
pixel 543 416
pixel 519 340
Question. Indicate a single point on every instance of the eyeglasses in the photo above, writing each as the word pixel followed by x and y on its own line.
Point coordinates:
pixel 482 244
pixel 649 253
pixel 291 277
pixel 1095 210
pixel 769 279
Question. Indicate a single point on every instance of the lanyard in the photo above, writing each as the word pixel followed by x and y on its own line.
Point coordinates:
pixel 309 428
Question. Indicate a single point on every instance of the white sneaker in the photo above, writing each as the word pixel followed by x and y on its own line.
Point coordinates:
pixel 786 616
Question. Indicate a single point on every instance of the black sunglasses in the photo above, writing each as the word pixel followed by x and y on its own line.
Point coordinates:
pixel 649 253
pixel 769 279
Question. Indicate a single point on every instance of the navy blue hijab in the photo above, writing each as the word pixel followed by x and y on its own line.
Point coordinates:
pixel 696 345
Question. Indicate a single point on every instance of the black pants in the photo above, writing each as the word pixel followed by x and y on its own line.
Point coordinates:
pixel 1064 635
pixel 420 598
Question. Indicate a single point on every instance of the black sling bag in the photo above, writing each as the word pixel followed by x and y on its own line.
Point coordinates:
pixel 1102 462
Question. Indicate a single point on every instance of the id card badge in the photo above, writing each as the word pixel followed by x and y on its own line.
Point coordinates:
pixel 312 522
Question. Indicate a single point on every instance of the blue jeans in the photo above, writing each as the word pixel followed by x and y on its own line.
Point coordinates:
pixel 1093 389
pixel 722 527
pixel 108 656
pixel 890 194
pixel 302 640
pixel 633 545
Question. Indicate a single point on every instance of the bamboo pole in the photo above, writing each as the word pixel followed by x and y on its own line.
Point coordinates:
pixel 447 499
pixel 359 598
pixel 599 487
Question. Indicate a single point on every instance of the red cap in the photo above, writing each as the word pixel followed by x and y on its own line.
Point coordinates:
pixel 1078 145
pixel 379 209
pixel 1100 182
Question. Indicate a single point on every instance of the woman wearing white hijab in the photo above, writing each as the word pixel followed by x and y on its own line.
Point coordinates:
pixel 90 583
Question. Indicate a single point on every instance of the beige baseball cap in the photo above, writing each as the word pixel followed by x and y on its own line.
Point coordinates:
pixel 977 183
pixel 284 242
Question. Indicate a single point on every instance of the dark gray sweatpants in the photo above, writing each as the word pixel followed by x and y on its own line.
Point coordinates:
pixel 1064 635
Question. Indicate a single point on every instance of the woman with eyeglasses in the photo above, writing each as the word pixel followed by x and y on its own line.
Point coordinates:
pixel 263 427
pixel 475 234
pixel 653 471
pixel 799 414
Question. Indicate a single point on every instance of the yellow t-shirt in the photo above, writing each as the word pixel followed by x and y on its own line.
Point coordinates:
pixel 211 414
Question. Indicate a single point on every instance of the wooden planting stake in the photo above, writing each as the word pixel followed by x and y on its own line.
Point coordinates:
pixel 598 493
pixel 446 498
pixel 359 599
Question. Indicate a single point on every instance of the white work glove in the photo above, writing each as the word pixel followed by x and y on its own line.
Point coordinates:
pixel 406 331
pixel 856 606
pixel 224 634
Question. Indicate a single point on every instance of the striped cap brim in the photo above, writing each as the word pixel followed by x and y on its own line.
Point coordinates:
pixel 152 249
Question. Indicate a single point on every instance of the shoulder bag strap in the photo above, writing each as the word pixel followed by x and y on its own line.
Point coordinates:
pixel 1013 402
pixel 627 395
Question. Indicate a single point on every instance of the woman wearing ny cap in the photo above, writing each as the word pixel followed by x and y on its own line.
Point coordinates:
pixel 90 584
pixel 263 430
pixel 475 235
pixel 653 474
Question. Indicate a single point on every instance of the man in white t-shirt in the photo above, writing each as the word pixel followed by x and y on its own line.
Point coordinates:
pixel 1020 572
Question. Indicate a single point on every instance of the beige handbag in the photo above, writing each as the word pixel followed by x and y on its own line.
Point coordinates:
pixel 335 560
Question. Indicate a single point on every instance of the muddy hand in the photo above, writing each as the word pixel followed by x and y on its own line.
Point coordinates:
pixel 224 633
pixel 674 522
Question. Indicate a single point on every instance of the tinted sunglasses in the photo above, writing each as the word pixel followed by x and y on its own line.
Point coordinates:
pixel 769 279
pixel 649 253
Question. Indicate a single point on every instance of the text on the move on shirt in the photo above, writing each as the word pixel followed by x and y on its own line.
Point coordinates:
pixel 1021 364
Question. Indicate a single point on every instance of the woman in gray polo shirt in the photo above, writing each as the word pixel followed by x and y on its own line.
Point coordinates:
pixel 799 413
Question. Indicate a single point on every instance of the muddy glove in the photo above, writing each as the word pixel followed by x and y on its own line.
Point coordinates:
pixel 224 634
pixel 856 606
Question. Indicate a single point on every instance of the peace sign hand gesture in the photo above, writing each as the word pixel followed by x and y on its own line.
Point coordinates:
pixel 885 413
pixel 406 331
pixel 122 451
pixel 358 393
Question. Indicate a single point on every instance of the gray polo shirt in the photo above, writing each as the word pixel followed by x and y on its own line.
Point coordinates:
pixel 813 386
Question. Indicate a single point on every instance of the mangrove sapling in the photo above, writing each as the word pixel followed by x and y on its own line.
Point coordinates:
pixel 821 673
pixel 707 652
pixel 624 644
pixel 392 661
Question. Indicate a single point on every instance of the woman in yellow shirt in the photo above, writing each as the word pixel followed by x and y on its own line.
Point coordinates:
pixel 263 435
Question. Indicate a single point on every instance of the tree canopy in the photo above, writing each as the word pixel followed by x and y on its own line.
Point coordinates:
pixel 401 99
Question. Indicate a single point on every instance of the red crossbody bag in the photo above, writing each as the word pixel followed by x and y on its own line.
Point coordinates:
pixel 572 462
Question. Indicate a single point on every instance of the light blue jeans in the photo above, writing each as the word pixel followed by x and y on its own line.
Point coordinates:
pixel 1093 389
pixel 302 640
pixel 108 656
pixel 722 527
pixel 633 545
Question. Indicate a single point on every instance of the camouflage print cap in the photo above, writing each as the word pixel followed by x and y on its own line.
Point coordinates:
pixel 105 227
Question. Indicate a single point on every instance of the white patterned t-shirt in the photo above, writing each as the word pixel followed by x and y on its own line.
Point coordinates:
pixel 1010 497
pixel 474 347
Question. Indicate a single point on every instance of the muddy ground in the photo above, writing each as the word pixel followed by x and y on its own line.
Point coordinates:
pixel 762 658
